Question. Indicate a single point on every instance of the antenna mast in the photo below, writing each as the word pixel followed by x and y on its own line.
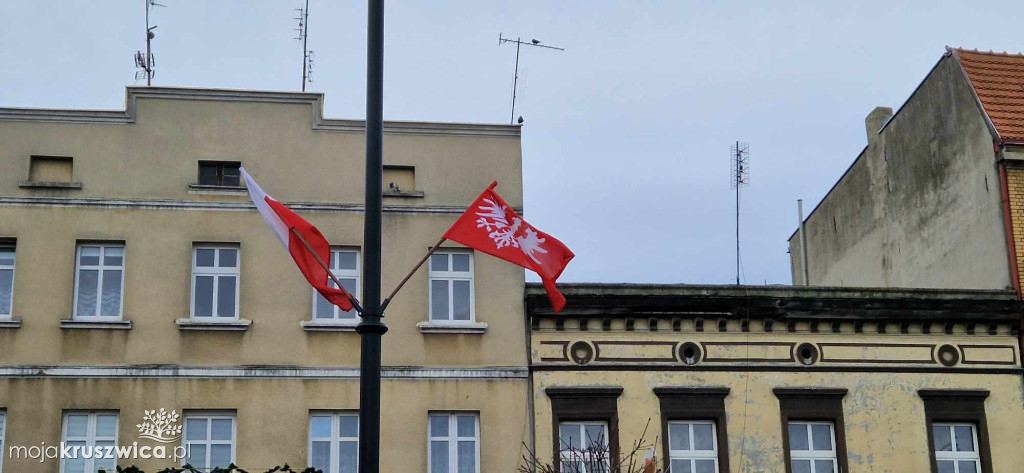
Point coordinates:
pixel 515 77
pixel 740 157
pixel 307 55
pixel 147 63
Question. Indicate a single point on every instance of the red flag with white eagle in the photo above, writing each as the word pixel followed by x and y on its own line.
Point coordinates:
pixel 282 221
pixel 491 226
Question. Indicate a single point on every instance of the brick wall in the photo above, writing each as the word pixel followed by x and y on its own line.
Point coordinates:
pixel 1015 188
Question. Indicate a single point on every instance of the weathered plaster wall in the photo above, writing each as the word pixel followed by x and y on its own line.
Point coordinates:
pixel 272 415
pixel 920 207
pixel 883 414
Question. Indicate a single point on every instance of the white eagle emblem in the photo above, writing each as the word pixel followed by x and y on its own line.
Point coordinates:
pixel 493 219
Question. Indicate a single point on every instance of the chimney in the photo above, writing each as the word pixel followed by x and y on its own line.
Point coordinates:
pixel 874 122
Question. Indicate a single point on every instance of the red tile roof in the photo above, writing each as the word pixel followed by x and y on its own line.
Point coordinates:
pixel 998 79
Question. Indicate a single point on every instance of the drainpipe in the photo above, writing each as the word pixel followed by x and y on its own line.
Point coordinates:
pixel 803 242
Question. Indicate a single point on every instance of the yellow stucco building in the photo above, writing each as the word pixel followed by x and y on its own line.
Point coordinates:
pixel 135 275
pixel 778 379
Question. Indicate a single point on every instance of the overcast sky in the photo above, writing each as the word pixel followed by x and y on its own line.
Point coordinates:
pixel 627 132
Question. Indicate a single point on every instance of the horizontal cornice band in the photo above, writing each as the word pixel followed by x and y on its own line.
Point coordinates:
pixel 128 115
pixel 261 372
pixel 11 201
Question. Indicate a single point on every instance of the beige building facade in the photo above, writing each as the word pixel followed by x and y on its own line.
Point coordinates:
pixel 135 275
pixel 778 379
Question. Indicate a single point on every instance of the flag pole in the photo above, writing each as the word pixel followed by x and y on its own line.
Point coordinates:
pixel 370 328
pixel 384 305
pixel 355 303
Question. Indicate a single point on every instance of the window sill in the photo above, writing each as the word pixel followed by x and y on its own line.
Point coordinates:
pixel 49 185
pixel 96 325
pixel 10 322
pixel 451 327
pixel 202 189
pixel 315 326
pixel 404 195
pixel 233 325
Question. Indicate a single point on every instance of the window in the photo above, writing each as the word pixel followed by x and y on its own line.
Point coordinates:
pixel 3 427
pixel 956 448
pixel 89 431
pixel 812 447
pixel 99 281
pixel 345 266
pixel 957 430
pixel 692 447
pixel 334 442
pixel 210 440
pixel 812 425
pixel 219 173
pixel 584 418
pixel 583 447
pixel 454 443
pixel 6 280
pixel 695 421
pixel 451 286
pixel 215 283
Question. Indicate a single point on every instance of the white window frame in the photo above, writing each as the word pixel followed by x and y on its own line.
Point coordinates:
pixel 11 267
pixel 90 435
pixel 3 436
pixel 450 276
pixel 811 454
pixel 584 454
pixel 215 271
pixel 691 454
pixel 100 268
pixel 342 274
pixel 957 456
pixel 335 439
pixel 453 439
pixel 209 416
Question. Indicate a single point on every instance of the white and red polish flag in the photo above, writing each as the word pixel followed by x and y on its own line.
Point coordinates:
pixel 281 221
pixel 491 226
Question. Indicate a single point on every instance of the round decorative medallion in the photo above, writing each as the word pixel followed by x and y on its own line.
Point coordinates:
pixel 948 355
pixel 581 352
pixel 807 354
pixel 689 353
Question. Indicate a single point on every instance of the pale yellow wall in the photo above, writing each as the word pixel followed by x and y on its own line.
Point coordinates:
pixel 272 293
pixel 884 416
pixel 156 157
pixel 272 415
pixel 287 147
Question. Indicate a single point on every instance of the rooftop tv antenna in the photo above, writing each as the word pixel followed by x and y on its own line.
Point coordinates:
pixel 147 62
pixel 740 157
pixel 515 78
pixel 307 55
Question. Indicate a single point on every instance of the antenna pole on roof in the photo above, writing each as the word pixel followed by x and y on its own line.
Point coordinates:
pixel 515 78
pixel 740 157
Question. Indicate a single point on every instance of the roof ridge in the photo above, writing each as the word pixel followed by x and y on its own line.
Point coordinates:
pixel 989 52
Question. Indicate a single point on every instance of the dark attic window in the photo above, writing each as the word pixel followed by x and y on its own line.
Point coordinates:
pixel 219 173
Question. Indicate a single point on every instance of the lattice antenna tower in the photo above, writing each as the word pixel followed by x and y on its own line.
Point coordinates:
pixel 302 37
pixel 145 60
pixel 740 157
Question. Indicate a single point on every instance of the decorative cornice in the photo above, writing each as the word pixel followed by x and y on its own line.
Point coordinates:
pixel 315 100
pixel 258 372
pixel 584 392
pixel 12 201
pixel 953 393
pixel 809 392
